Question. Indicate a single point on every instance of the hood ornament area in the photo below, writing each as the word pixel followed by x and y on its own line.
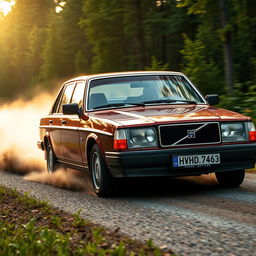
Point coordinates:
pixel 191 134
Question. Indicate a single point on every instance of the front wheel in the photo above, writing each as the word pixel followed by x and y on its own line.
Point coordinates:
pixel 230 178
pixel 102 181
pixel 50 159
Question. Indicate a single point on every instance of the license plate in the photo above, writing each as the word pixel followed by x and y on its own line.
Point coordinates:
pixel 196 160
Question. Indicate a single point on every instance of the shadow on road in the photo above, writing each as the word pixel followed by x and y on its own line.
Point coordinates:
pixel 167 186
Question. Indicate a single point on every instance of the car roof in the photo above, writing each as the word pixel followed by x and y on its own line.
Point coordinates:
pixel 118 74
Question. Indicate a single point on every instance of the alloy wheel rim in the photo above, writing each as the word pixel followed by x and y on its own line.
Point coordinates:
pixel 96 171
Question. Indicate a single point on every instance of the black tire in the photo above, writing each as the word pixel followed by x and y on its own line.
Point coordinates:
pixel 230 178
pixel 102 181
pixel 51 161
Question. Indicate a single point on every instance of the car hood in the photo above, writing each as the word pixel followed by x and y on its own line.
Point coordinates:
pixel 166 114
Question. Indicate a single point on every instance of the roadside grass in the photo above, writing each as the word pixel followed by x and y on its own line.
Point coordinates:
pixel 32 227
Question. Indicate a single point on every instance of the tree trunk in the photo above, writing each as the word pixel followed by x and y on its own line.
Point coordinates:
pixel 140 41
pixel 227 45
pixel 164 40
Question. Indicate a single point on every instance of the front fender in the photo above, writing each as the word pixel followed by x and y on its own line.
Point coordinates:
pixel 91 139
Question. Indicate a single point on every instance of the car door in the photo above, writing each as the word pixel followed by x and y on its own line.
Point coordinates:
pixel 58 123
pixel 53 122
pixel 69 131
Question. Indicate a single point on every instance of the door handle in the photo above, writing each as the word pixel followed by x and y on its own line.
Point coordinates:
pixel 64 121
pixel 50 121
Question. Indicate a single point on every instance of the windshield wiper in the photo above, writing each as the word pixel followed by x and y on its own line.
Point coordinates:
pixel 118 105
pixel 169 101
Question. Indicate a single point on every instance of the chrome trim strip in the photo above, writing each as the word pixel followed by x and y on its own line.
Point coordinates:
pixel 58 127
pixel 175 144
pixel 96 131
pixel 198 129
pixel 76 129
pixel 64 162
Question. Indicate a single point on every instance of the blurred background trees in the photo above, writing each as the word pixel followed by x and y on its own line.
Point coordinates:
pixel 212 41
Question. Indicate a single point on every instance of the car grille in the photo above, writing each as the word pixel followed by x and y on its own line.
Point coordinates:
pixel 189 134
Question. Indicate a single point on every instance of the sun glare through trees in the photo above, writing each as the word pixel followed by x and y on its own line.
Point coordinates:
pixel 6 6
pixel 213 42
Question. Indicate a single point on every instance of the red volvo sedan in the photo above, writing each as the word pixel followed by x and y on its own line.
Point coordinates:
pixel 144 124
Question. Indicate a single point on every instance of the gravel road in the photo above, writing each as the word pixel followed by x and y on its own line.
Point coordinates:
pixel 190 217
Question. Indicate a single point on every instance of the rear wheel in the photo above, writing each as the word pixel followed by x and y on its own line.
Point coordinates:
pixel 50 159
pixel 230 178
pixel 102 181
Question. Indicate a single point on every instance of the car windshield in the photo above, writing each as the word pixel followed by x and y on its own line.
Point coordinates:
pixel 144 89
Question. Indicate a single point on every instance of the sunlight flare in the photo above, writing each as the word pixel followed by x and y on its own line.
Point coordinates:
pixel 6 6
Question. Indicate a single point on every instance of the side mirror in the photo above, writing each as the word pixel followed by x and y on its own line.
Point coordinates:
pixel 71 109
pixel 212 99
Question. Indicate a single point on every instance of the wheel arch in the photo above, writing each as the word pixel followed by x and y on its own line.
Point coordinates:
pixel 90 141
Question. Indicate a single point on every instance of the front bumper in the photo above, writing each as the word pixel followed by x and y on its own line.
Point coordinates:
pixel 148 163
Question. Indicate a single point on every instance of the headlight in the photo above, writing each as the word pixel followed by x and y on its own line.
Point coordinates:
pixel 142 138
pixel 233 132
pixel 251 127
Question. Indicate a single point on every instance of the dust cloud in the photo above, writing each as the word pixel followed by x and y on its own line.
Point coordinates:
pixel 19 132
pixel 61 178
pixel 19 121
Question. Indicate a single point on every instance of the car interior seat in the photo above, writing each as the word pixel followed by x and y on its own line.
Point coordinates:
pixel 97 99
pixel 150 93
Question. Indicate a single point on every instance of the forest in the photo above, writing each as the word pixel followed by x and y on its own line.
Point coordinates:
pixel 43 42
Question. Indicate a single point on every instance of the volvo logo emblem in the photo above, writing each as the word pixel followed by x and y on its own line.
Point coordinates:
pixel 191 134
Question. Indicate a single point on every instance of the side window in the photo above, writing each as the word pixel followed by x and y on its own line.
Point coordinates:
pixel 57 102
pixel 66 96
pixel 78 94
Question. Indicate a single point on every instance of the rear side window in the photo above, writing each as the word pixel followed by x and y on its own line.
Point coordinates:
pixel 78 94
pixel 68 91
pixel 57 101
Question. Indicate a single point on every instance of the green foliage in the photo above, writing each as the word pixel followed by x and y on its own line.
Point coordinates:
pixel 204 72
pixel 195 6
pixel 53 63
pixel 34 61
pixel 73 38
pixel 119 250
pixel 82 64
pixel 240 101
pixel 29 239
pixel 236 32
pixel 157 65
pixel 102 23
pixel 56 221
pixel 31 202
pixel 22 43
pixel 150 243
pixel 37 44
pixel 52 233
pixel 78 220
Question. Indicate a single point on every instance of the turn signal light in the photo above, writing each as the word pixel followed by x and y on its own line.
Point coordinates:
pixel 252 136
pixel 120 144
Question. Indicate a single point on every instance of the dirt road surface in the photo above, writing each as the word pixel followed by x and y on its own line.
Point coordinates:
pixel 190 216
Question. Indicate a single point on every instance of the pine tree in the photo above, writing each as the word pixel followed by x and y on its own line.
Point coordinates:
pixel 103 24
pixel 52 55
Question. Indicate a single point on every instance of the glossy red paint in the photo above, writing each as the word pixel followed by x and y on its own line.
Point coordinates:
pixel 156 115
pixel 72 136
